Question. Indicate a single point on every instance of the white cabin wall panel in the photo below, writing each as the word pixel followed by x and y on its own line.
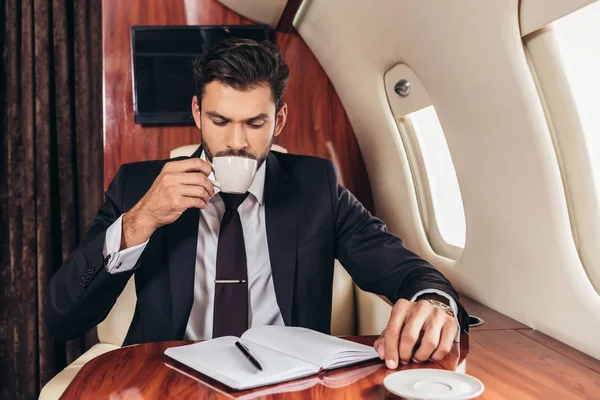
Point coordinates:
pixel 535 14
pixel 260 11
pixel 519 258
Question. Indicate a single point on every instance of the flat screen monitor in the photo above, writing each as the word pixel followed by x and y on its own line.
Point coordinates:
pixel 163 81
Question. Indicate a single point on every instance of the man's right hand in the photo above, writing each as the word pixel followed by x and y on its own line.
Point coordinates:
pixel 179 186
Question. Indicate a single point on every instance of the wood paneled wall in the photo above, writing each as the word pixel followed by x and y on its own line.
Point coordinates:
pixel 316 115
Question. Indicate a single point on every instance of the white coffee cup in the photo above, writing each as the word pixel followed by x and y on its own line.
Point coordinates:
pixel 234 174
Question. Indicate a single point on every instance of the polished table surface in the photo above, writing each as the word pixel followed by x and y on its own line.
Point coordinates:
pixel 512 361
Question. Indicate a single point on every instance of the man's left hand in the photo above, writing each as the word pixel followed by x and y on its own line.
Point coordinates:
pixel 413 322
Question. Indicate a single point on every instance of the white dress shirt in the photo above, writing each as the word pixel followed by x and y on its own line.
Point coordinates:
pixel 263 307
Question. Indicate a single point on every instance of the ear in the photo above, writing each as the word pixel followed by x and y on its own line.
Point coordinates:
pixel 280 119
pixel 196 112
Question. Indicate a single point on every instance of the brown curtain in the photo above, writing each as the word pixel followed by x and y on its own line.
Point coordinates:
pixel 50 176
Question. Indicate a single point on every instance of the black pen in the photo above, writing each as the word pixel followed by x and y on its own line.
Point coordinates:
pixel 246 352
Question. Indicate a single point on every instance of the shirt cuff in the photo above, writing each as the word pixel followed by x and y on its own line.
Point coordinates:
pixel 452 302
pixel 116 261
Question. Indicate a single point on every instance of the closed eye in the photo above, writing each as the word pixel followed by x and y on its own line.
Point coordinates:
pixel 219 123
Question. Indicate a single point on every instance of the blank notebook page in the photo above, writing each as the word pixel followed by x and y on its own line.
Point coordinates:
pixel 222 360
pixel 313 347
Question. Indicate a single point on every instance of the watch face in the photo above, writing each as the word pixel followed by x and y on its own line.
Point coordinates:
pixel 442 306
pixel 438 303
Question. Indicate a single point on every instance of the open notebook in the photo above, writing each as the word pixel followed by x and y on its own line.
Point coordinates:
pixel 285 353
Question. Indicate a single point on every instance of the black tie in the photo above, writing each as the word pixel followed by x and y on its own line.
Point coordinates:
pixel 231 282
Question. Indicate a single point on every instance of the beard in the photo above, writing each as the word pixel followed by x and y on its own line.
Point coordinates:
pixel 236 153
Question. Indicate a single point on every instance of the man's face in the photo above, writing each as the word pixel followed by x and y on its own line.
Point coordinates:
pixel 238 123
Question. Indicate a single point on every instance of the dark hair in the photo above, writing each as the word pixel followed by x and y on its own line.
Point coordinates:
pixel 243 64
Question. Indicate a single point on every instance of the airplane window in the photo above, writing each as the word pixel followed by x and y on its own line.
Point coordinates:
pixel 439 195
pixel 565 60
pixel 578 37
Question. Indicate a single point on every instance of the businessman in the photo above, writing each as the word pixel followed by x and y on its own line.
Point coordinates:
pixel 209 264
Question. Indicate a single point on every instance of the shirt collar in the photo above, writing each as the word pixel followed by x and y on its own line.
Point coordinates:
pixel 257 189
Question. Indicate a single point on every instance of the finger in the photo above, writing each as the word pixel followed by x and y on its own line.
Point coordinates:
pixel 190 164
pixel 452 359
pixel 379 339
pixel 194 191
pixel 411 332
pixel 197 179
pixel 431 336
pixel 392 335
pixel 193 202
pixel 379 346
pixel 447 337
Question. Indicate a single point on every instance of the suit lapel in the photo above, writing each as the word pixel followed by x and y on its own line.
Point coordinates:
pixel 281 215
pixel 182 240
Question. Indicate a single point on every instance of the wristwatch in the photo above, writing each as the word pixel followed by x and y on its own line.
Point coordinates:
pixel 441 305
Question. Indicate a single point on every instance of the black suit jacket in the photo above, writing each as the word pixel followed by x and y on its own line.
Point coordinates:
pixel 310 220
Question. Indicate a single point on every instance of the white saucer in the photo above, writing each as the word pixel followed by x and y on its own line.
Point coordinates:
pixel 433 384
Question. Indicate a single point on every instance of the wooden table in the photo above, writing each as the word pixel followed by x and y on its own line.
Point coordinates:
pixel 513 362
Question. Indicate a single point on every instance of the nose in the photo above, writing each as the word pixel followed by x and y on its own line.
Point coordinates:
pixel 237 139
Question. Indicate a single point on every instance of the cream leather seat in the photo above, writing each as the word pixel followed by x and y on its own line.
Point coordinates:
pixel 112 331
